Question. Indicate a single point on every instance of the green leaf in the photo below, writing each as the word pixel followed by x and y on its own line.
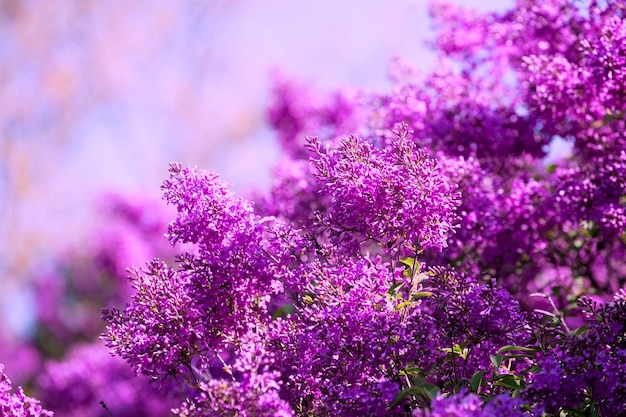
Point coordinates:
pixel 428 390
pixel 551 168
pixel 422 294
pixel 393 290
pixel 404 304
pixel 509 348
pixel 582 329
pixel 285 310
pixel 476 380
pixel 431 390
pixel 496 360
pixel 412 370
pixel 408 261
pixel 517 356
pixel 609 117
pixel 402 394
pixel 509 381
pixel 457 350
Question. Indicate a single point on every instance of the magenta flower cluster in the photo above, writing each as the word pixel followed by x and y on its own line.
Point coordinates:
pixel 372 191
pixel 417 253
pixel 18 404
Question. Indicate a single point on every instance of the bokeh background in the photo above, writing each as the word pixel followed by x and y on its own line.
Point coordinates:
pixel 99 95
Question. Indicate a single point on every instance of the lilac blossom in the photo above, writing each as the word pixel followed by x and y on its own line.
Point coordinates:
pixel 157 333
pixel 591 363
pixel 456 406
pixel 252 389
pixel 373 191
pixel 470 405
pixel 18 404
pixel 343 348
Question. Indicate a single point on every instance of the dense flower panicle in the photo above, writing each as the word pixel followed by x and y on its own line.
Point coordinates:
pixel 504 129
pixel 342 350
pixel 180 322
pixel 394 198
pixel 580 95
pixel 591 364
pixel 459 115
pixel 348 343
pixel 567 87
pixel 208 214
pixel 571 73
pixel 252 389
pixel 89 375
pixel 520 225
pixel 503 220
pixel 504 405
pixel 478 318
pixel 223 398
pixel 549 388
pixel 552 25
pixel 158 333
pixel 234 254
pixel 595 194
pixel 476 211
pixel 470 405
pixel 18 404
pixel 454 406
pixel 172 330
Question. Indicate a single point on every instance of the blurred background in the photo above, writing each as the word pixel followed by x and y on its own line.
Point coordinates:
pixel 97 96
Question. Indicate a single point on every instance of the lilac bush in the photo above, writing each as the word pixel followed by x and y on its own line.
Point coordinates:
pixel 428 262
pixel 416 254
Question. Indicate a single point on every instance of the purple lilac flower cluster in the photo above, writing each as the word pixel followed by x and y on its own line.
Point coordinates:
pixel 586 369
pixel 18 404
pixel 371 192
pixel 416 254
